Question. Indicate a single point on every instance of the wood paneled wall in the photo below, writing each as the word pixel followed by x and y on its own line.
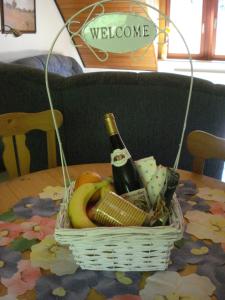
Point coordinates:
pixel 143 59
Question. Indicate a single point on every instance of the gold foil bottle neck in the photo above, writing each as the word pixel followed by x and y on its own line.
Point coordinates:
pixel 110 124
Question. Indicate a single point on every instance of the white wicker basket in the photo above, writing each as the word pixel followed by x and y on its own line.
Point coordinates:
pixel 121 248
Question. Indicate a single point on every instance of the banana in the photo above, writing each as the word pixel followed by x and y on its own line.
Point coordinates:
pixel 105 189
pixel 102 192
pixel 77 205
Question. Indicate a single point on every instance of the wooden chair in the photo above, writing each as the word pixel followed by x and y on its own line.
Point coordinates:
pixel 13 129
pixel 202 146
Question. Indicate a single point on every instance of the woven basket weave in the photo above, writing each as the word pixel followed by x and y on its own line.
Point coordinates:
pixel 121 248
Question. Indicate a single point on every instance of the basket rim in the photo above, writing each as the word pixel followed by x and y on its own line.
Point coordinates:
pixel 175 227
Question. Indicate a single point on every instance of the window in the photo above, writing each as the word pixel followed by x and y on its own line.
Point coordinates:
pixel 220 25
pixel 202 23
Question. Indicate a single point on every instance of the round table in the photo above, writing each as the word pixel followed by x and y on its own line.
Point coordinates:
pixel 31 185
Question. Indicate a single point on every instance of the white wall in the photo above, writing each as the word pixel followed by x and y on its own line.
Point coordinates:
pixel 210 70
pixel 48 24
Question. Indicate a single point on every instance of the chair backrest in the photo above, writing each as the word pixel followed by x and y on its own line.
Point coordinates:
pixel 202 146
pixel 13 129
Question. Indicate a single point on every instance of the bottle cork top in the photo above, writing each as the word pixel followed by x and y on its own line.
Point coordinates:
pixel 110 124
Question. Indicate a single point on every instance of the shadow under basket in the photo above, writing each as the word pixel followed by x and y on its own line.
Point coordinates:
pixel 121 248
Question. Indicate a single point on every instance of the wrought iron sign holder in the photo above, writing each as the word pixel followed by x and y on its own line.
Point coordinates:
pixel 115 32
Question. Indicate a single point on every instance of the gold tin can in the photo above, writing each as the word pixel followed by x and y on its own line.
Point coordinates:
pixel 113 210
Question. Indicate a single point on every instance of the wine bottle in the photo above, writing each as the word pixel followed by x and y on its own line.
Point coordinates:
pixel 125 174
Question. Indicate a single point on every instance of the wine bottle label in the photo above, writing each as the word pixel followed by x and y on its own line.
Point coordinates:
pixel 139 198
pixel 119 157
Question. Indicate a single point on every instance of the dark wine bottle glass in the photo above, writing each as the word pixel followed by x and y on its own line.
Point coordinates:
pixel 125 174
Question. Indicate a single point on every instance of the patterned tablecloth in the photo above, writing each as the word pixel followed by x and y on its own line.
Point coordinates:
pixel 33 265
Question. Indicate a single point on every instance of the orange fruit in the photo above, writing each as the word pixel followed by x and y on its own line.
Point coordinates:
pixel 89 177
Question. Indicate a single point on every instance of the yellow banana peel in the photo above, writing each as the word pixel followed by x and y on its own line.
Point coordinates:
pixel 78 203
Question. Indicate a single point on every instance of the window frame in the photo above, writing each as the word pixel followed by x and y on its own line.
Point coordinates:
pixel 208 35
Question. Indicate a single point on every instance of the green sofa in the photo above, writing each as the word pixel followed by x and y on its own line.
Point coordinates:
pixel 149 108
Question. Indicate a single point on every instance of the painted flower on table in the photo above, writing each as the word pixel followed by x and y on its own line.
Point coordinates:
pixel 38 228
pixel 206 226
pixel 200 204
pixel 195 203
pixel 8 262
pixel 185 192
pixel 8 232
pixel 185 205
pixel 112 284
pixel 211 194
pixel 125 297
pixel 51 256
pixel 24 280
pixel 53 192
pixel 196 252
pixel 171 285
pixel 64 287
pixel 34 206
pixel 79 284
pixel 186 188
pixel 8 297
pixel 216 273
pixel 217 208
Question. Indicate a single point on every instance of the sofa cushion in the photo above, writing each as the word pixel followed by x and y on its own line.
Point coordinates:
pixel 149 108
pixel 63 65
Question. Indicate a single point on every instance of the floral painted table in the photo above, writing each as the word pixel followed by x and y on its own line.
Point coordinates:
pixel 34 266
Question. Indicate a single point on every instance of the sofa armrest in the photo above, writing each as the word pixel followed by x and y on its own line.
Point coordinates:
pixel 63 65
